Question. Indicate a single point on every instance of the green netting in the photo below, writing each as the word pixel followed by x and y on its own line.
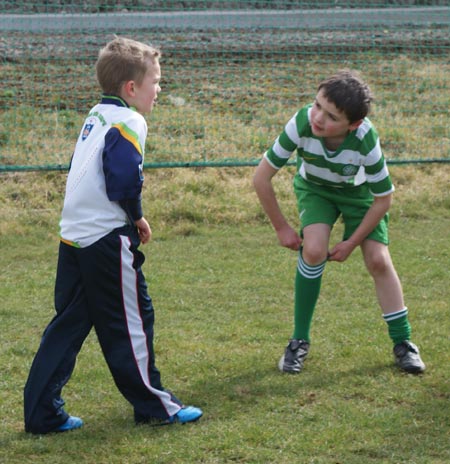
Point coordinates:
pixel 233 74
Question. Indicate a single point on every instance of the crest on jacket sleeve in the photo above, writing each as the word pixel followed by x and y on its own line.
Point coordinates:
pixel 87 128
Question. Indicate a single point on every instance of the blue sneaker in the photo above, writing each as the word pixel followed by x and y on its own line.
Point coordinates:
pixel 186 414
pixel 71 423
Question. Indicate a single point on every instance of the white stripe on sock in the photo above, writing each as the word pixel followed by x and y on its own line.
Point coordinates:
pixel 395 315
pixel 307 271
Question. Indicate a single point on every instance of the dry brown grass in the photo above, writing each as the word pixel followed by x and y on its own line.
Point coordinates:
pixel 178 201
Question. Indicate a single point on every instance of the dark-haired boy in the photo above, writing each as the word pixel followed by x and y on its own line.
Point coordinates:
pixel 341 172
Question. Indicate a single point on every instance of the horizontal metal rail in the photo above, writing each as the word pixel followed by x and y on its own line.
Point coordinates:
pixel 204 164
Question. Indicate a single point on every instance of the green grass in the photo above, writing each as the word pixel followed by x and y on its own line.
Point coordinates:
pixel 223 290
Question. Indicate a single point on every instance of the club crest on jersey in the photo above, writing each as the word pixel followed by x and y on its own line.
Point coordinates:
pixel 87 128
pixel 349 170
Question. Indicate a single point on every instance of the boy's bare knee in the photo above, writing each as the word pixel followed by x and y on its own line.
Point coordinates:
pixel 314 256
pixel 378 265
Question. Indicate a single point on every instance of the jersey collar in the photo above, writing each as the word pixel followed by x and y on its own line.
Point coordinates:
pixel 114 100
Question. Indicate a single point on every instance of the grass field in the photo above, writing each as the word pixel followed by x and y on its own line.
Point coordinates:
pixel 221 285
pixel 223 289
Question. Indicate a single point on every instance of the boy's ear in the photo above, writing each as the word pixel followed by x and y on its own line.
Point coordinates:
pixel 128 88
pixel 355 125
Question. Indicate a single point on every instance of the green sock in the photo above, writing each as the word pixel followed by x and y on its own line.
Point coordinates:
pixel 398 325
pixel 307 289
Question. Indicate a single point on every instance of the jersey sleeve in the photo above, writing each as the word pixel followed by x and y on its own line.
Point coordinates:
pixel 375 167
pixel 289 140
pixel 133 208
pixel 123 157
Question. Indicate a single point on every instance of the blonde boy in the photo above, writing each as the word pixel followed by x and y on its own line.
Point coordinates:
pixel 99 280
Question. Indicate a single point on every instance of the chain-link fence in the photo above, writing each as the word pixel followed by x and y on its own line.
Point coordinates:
pixel 233 72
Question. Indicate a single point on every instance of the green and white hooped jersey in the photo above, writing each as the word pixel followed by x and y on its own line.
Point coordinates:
pixel 359 159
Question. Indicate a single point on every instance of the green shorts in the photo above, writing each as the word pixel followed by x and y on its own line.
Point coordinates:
pixel 323 204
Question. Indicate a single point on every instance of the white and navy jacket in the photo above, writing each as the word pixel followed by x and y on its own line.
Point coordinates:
pixel 103 190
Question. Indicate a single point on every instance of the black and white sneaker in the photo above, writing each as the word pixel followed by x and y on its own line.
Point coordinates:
pixel 294 356
pixel 407 357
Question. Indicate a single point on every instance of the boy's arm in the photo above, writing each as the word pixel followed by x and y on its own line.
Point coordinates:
pixel 122 166
pixel 133 208
pixel 144 230
pixel 375 213
pixel 262 181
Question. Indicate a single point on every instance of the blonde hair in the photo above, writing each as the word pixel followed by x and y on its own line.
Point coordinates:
pixel 123 60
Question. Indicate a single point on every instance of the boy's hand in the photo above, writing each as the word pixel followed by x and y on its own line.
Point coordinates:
pixel 341 251
pixel 145 233
pixel 289 238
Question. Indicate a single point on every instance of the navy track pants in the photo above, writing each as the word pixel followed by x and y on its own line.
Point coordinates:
pixel 100 286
